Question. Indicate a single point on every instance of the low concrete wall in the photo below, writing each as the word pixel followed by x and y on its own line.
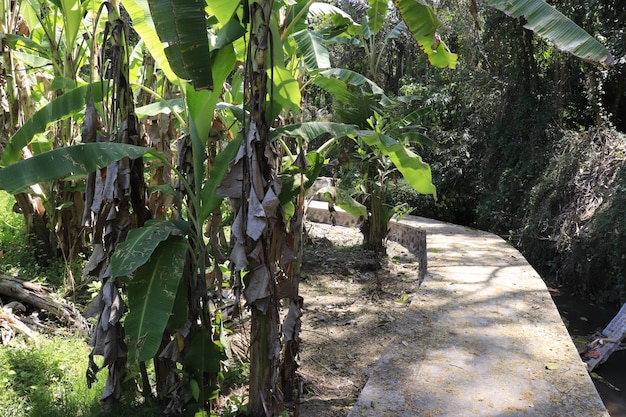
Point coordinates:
pixel 483 336
pixel 410 236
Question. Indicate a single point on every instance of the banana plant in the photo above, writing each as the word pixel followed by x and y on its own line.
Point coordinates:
pixel 50 49
pixel 417 17
pixel 188 336
pixel 361 102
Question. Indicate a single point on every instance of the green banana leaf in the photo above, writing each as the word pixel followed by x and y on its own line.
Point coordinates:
pixel 223 10
pixel 236 109
pixel 396 32
pixel 140 244
pixel 159 107
pixel 319 9
pixel 201 106
pixel 143 24
pixel 376 14
pixel 76 160
pixel 205 356
pixel 552 25
pixel 151 295
pixel 353 78
pixel 423 24
pixel 60 108
pixel 342 21
pixel 344 200
pixel 311 130
pixel 201 103
pixel 286 89
pixel 209 200
pixel 229 33
pixel 32 60
pixel 72 14
pixel 18 41
pixel 204 353
pixel 293 182
pixel 314 52
pixel 337 88
pixel 413 169
pixel 181 24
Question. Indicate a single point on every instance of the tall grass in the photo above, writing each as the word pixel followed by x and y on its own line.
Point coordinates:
pixel 43 377
pixel 46 378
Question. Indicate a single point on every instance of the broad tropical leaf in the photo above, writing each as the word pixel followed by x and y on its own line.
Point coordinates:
pixel 140 244
pixel 312 130
pixel 423 24
pixel 204 356
pixel 326 9
pixel 235 109
pixel 72 20
pixel 228 34
pixel 286 88
pixel 337 88
pixel 314 52
pixel 201 104
pixel 143 24
pixel 353 78
pixel 222 9
pixel 151 295
pixel 204 353
pixel 552 25
pixel 77 160
pixel 342 21
pixel 181 24
pixel 396 32
pixel 18 41
pixel 344 201
pixel 60 108
pixel 158 107
pixel 293 180
pixel 32 60
pixel 376 14
pixel 413 169
pixel 210 200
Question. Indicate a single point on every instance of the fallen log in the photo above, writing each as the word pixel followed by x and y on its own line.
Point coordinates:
pixel 40 297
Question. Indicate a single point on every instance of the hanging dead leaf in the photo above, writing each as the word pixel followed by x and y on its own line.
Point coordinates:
pixel 256 218
pixel 231 185
pixel 291 322
pixel 257 283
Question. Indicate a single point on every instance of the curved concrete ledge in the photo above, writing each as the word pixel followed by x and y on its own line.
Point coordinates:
pixel 487 339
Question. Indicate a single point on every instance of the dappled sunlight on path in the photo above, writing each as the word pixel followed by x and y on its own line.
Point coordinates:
pixel 486 340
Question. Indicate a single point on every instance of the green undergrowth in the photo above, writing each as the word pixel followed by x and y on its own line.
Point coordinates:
pixel 19 258
pixel 46 378
pixel 575 229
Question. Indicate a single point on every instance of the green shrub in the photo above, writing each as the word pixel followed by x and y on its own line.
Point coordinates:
pixel 574 231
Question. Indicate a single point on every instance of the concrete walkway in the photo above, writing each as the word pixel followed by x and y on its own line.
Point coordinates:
pixel 487 340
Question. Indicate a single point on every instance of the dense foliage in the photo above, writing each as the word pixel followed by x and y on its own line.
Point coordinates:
pixel 513 125
pixel 89 155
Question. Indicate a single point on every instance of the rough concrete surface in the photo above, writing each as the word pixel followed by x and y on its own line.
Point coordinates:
pixel 487 340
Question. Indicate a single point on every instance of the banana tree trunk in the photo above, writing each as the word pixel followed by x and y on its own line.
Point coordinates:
pixel 263 241
pixel 374 228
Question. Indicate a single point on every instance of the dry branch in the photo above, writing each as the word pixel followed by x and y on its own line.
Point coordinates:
pixel 39 297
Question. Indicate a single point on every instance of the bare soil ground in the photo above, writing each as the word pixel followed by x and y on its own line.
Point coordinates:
pixel 354 305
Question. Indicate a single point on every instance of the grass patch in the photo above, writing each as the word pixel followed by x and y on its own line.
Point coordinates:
pixel 47 379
